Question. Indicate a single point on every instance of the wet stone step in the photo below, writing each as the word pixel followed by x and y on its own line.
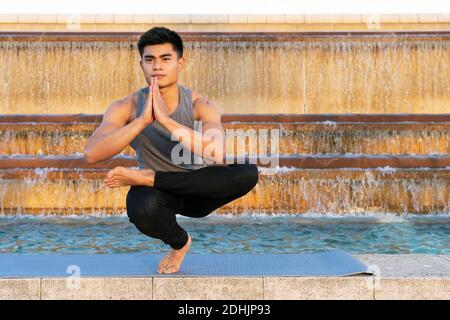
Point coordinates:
pixel 415 138
pixel 281 190
pixel 311 162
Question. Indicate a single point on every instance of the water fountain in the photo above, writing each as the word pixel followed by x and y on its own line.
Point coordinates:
pixel 363 118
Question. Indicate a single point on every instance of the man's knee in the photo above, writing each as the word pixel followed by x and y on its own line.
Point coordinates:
pixel 246 176
pixel 142 204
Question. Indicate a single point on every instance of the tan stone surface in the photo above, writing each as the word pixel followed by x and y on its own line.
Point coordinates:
pixel 412 289
pixel 308 288
pixel 97 288
pixel 19 289
pixel 229 22
pixel 207 288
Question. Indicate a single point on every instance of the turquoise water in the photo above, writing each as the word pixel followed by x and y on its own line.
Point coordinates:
pixel 231 234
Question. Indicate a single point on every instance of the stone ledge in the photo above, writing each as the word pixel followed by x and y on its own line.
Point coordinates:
pixel 182 24
pixel 224 18
pixel 208 288
pixel 272 118
pixel 305 162
pixel 412 289
pixel 318 288
pixel 20 289
pixel 230 288
pixel 96 288
pixel 233 35
pixel 408 265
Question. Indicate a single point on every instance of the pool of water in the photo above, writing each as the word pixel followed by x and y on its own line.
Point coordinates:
pixel 231 234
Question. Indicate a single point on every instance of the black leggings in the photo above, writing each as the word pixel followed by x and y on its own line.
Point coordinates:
pixel 193 194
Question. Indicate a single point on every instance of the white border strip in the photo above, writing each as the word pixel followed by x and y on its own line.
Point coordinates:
pixel 224 7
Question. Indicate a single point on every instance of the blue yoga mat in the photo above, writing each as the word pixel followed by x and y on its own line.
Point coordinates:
pixel 329 263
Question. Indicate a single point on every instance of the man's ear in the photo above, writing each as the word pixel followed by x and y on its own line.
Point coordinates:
pixel 181 63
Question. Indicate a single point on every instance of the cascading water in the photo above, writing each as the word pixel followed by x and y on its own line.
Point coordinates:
pixel 390 74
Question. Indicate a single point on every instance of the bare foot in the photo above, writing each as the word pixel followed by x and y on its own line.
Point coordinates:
pixel 120 177
pixel 172 261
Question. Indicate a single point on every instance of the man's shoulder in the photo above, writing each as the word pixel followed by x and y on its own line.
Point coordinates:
pixel 202 105
pixel 126 101
pixel 196 96
pixel 126 105
pixel 200 100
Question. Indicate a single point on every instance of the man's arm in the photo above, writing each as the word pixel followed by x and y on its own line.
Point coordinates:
pixel 114 134
pixel 210 143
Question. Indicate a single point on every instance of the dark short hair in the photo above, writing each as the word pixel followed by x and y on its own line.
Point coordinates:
pixel 160 35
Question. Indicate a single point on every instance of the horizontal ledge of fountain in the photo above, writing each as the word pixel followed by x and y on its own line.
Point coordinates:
pixel 97 118
pixel 288 128
pixel 299 173
pixel 294 161
pixel 217 36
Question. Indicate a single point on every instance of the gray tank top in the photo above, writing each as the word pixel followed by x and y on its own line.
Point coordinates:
pixel 153 145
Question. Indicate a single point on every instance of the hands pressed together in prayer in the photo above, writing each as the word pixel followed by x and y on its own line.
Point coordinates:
pixel 155 108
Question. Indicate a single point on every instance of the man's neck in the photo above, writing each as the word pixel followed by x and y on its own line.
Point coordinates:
pixel 170 96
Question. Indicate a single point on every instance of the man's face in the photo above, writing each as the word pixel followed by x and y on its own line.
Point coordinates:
pixel 161 59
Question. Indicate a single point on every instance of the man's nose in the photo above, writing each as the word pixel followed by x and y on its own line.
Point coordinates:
pixel 156 65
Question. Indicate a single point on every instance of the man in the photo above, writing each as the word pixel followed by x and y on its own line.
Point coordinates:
pixel 182 169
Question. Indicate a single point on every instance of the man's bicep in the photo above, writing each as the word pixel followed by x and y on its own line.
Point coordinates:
pixel 115 117
pixel 209 115
pixel 213 132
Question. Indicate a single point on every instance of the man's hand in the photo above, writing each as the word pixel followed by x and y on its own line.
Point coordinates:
pixel 147 111
pixel 160 110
